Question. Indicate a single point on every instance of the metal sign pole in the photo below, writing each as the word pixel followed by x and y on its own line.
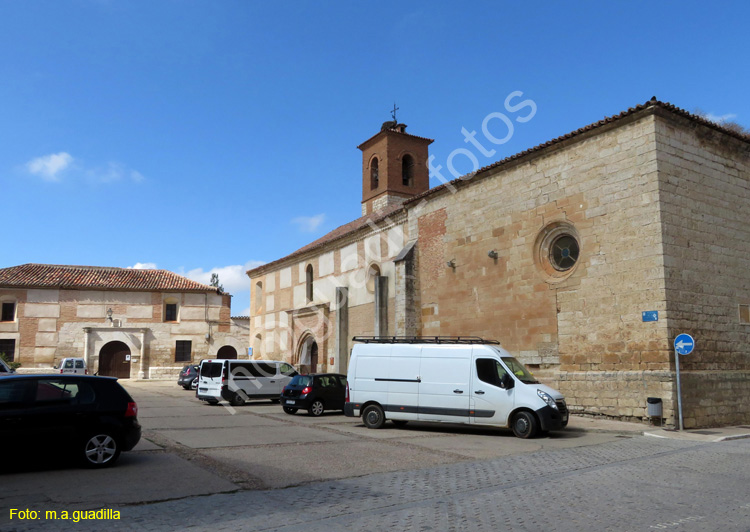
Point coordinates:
pixel 679 391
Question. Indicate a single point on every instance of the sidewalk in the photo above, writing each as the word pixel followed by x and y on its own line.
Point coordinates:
pixel 713 434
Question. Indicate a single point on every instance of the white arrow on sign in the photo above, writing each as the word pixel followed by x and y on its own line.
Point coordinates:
pixel 681 344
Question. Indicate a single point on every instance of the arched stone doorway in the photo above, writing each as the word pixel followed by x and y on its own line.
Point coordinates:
pixel 308 356
pixel 114 360
pixel 227 352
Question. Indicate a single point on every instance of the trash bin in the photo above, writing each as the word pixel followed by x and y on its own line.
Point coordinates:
pixel 654 406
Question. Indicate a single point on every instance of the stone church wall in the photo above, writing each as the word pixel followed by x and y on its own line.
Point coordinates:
pixel 582 332
pixel 705 193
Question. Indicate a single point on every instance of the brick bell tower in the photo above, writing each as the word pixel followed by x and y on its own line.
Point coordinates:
pixel 394 166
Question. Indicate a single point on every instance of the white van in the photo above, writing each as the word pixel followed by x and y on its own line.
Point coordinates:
pixel 448 379
pixel 238 381
pixel 73 365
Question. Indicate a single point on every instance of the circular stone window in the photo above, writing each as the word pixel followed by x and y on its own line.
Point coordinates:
pixel 556 251
pixel 563 252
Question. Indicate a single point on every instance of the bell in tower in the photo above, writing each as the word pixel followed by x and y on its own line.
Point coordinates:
pixel 394 166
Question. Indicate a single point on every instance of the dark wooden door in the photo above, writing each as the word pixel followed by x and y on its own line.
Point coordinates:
pixel 314 357
pixel 114 360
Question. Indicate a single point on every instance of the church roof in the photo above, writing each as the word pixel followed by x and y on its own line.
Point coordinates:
pixel 650 105
pixel 337 234
pixel 96 277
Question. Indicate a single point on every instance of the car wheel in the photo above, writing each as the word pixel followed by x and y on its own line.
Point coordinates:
pixel 289 410
pixel 212 401
pixel 373 417
pixel 316 408
pixel 400 422
pixel 100 450
pixel 525 425
pixel 185 386
pixel 238 400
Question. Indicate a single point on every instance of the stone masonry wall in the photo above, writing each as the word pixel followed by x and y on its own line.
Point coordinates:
pixel 705 197
pixel 581 332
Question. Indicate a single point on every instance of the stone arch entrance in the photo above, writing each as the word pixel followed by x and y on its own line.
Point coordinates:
pixel 307 356
pixel 227 352
pixel 114 360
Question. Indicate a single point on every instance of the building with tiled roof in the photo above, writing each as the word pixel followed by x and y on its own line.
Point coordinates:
pixel 585 256
pixel 125 322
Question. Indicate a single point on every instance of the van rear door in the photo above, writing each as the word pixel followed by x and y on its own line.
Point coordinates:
pixel 209 382
pixel 445 388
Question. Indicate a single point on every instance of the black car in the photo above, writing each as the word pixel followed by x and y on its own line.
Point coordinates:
pixel 92 419
pixel 315 393
pixel 189 377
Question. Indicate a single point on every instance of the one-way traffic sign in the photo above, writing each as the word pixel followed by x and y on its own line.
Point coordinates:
pixel 684 344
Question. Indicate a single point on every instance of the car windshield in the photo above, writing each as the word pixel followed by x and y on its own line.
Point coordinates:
pixel 301 380
pixel 519 370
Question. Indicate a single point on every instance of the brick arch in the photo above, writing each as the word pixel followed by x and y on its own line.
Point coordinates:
pixel 306 362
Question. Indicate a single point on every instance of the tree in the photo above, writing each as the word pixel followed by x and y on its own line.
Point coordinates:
pixel 215 282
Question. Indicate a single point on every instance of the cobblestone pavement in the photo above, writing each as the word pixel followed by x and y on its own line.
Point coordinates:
pixel 628 485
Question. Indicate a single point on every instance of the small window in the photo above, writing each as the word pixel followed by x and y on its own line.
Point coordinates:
pixel 183 351
pixel 490 371
pixel 258 295
pixel 8 348
pixel 745 314
pixel 9 311
pixel 407 170
pixel 170 312
pixel 309 282
pixel 374 174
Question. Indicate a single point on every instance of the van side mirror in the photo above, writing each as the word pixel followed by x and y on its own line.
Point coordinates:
pixel 507 382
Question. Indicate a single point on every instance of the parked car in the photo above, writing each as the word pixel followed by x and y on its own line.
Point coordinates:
pixel 5 370
pixel 189 377
pixel 315 393
pixel 238 381
pixel 74 365
pixel 91 419
pixel 448 379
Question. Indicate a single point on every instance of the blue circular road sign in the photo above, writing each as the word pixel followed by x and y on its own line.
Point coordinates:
pixel 684 344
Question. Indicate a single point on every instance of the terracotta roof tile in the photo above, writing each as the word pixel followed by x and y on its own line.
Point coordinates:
pixel 95 277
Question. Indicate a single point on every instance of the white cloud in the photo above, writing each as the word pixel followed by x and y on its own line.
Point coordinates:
pixel 143 266
pixel 50 166
pixel 113 171
pixel 232 278
pixel 720 119
pixel 309 224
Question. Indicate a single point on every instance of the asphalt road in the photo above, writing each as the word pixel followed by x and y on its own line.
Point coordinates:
pixel 256 468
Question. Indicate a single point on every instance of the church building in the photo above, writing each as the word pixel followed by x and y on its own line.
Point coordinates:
pixel 584 256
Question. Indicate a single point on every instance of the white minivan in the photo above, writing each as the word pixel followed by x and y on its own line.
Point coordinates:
pixel 73 365
pixel 237 381
pixel 451 380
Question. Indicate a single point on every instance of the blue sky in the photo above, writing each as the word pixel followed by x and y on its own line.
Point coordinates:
pixel 213 136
